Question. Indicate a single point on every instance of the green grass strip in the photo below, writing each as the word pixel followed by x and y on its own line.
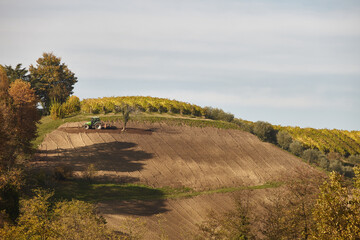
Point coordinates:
pixel 97 192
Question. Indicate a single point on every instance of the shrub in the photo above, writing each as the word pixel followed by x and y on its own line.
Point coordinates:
pixel 311 155
pixel 265 131
pixel 355 159
pixel 71 106
pixel 348 172
pixel 324 163
pixel 63 172
pixel 284 139
pixel 90 172
pixel 217 114
pixel 41 219
pixel 335 165
pixel 244 125
pixel 56 111
pixel 296 148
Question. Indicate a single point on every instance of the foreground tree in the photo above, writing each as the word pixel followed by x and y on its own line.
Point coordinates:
pixel 288 214
pixel 18 117
pixel 337 210
pixel 42 219
pixel 52 80
pixel 25 114
pixel 235 224
pixel 6 130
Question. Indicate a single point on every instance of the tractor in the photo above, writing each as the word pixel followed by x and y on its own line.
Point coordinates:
pixel 96 123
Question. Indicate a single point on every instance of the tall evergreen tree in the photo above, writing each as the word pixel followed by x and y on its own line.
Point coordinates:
pixel 17 73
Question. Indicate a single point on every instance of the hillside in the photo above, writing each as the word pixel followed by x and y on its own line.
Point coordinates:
pixel 148 169
pixel 341 141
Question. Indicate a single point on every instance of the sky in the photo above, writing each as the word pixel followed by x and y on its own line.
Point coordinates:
pixel 287 62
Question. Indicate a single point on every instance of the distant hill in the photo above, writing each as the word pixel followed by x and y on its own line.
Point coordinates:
pixel 340 141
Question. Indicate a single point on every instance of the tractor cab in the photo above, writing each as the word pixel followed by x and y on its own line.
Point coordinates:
pixel 94 120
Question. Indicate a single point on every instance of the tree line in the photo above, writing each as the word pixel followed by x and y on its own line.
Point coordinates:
pixel 327 160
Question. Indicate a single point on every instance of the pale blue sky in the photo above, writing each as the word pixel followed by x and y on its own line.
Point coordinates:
pixel 285 62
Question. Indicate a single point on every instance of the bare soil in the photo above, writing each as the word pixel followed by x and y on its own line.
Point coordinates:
pixel 160 155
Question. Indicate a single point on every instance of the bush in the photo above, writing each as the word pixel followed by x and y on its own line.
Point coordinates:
pixel 311 155
pixel 284 139
pixel 296 148
pixel 71 106
pixel 355 159
pixel 265 131
pixel 324 163
pixel 335 165
pixel 62 173
pixel 90 172
pixel 217 114
pixel 245 126
pixel 41 219
pixel 348 172
pixel 56 111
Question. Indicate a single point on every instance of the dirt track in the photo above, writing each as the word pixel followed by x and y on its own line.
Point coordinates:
pixel 160 155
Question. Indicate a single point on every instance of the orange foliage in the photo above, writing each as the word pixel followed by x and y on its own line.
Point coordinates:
pixel 6 151
pixel 25 113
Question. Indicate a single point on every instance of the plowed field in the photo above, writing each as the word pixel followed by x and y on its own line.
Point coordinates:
pixel 160 155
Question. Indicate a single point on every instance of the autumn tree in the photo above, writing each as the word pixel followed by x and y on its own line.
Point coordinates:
pixel 337 210
pixel 233 224
pixel 17 73
pixel 18 117
pixel 41 218
pixel 288 213
pixel 6 131
pixel 25 114
pixel 52 80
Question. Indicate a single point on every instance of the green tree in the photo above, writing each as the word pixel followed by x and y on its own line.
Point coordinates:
pixel 284 139
pixel 311 155
pixel 52 80
pixel 218 114
pixel 265 131
pixel 17 73
pixel 337 210
pixel 296 148
pixel 126 110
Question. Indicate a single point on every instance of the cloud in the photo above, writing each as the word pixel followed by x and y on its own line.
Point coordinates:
pixel 264 54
